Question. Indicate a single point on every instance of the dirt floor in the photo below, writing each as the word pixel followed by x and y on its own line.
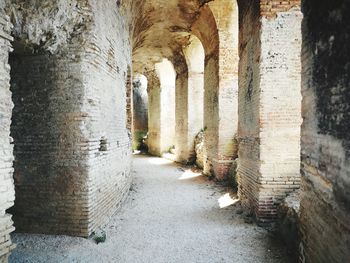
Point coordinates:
pixel 172 214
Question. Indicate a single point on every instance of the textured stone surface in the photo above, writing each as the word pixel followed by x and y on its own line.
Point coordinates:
pixel 288 223
pixel 199 148
pixel 72 149
pixel 325 196
pixel 7 194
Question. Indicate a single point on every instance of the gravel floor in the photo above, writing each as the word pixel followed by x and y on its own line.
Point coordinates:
pixel 170 215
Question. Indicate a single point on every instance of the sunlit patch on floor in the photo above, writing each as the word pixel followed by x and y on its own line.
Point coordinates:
pixel 159 161
pixel 226 200
pixel 189 174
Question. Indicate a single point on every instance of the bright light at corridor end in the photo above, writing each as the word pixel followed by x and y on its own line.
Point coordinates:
pixel 226 200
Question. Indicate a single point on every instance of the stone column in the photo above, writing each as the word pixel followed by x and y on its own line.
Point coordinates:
pixel 167 75
pixel 154 108
pixel 217 28
pixel 182 149
pixel 269 104
pixel 189 66
pixel 161 113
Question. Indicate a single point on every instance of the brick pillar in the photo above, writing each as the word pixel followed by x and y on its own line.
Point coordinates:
pixel 221 88
pixel 7 193
pixel 161 113
pixel 154 106
pixel 269 105
pixel 183 150
pixel 189 66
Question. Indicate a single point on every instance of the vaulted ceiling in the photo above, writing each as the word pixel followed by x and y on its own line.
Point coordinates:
pixel 161 28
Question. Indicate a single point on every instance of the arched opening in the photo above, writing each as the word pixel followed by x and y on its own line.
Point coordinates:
pixel 217 28
pixel 140 114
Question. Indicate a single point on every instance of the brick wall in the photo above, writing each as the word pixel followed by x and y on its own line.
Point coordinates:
pixel 105 66
pixel 325 199
pixel 269 106
pixel 270 8
pixel 50 170
pixel 7 194
pixel 72 148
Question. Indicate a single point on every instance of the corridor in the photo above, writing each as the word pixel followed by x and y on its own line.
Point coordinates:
pixel 172 214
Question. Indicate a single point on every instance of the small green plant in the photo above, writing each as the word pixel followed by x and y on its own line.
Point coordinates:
pixel 99 236
pixel 203 129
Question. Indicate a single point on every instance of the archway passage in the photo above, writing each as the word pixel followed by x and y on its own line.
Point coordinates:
pixel 140 113
pixel 71 111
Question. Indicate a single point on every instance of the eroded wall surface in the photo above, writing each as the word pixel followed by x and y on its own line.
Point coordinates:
pixel 7 193
pixel 325 198
pixel 106 66
pixel 72 147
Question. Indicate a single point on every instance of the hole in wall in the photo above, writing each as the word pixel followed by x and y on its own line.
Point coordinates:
pixel 103 145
